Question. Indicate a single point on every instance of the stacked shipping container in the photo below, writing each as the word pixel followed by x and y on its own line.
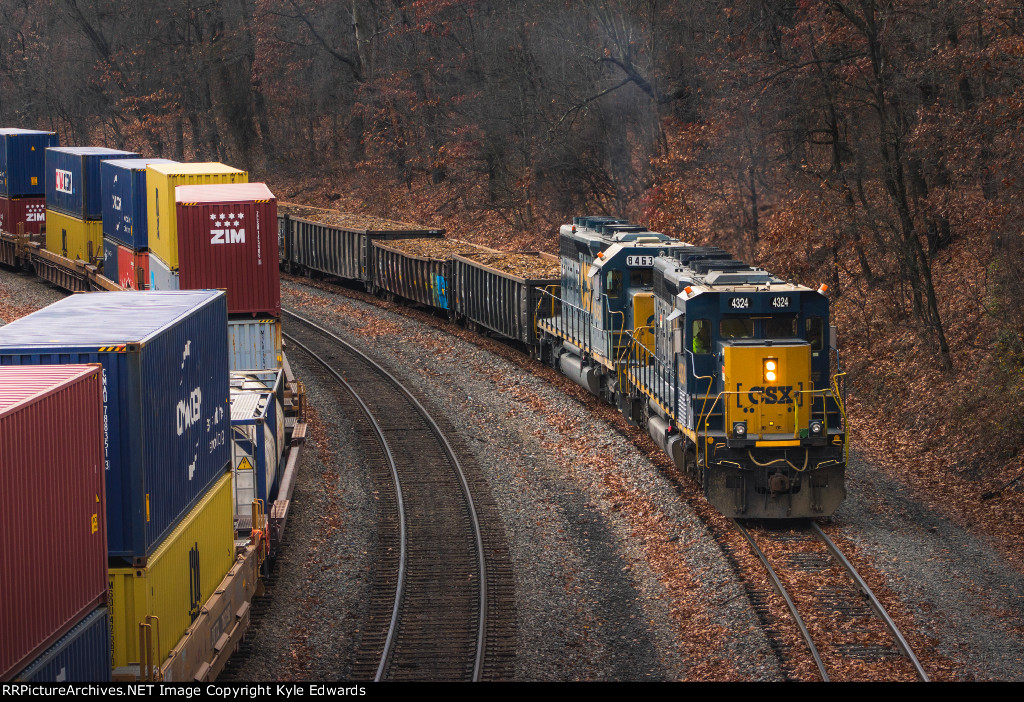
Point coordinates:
pixel 254 344
pixel 165 377
pixel 81 655
pixel 227 238
pixel 125 266
pixel 162 411
pixel 125 208
pixel 74 204
pixel 178 578
pixel 254 445
pixel 23 179
pixel 22 215
pixel 23 161
pixel 52 479
pixel 126 219
pixel 272 381
pixel 161 181
pixel 163 435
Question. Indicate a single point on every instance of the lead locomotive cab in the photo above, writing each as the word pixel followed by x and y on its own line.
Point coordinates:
pixel 754 411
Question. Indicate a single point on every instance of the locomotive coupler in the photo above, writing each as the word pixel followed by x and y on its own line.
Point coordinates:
pixel 778 483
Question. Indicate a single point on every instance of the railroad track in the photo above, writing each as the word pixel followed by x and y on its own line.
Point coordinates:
pixel 429 616
pixel 844 627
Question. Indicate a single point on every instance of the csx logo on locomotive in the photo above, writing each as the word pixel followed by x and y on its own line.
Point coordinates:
pixel 771 395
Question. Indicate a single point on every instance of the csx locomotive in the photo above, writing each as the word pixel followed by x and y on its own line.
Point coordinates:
pixel 729 367
pixel 732 370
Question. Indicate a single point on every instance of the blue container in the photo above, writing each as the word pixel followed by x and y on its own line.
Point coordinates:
pixel 123 185
pixel 81 655
pixel 23 161
pixel 110 259
pixel 165 404
pixel 254 455
pixel 73 179
pixel 253 344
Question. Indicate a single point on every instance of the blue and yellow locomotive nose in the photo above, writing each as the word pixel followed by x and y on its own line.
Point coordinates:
pixel 769 389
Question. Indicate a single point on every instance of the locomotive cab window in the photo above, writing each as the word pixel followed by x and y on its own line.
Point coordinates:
pixel 641 277
pixel 780 327
pixel 736 328
pixel 678 328
pixel 613 283
pixel 702 336
pixel 816 333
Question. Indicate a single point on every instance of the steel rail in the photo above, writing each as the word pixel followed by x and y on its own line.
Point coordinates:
pixel 872 600
pixel 779 588
pixel 481 626
pixel 400 586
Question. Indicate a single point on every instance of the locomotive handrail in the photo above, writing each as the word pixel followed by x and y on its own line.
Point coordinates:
pixel 759 434
pixel 625 355
pixel 576 315
pixel 615 335
pixel 702 417
pixel 546 290
pixel 645 367
pixel 842 410
pixel 725 413
pixel 824 410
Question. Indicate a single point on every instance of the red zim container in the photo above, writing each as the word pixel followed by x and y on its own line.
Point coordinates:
pixel 129 263
pixel 227 239
pixel 53 537
pixel 30 210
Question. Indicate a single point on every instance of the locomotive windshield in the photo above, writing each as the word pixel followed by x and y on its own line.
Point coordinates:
pixel 816 333
pixel 748 328
pixel 641 277
pixel 613 284
pixel 780 327
pixel 736 328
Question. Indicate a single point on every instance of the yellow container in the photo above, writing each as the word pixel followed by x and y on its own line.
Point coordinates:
pixel 70 237
pixel 161 180
pixel 178 579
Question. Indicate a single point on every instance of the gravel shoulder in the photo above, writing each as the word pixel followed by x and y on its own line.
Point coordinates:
pixel 615 577
pixel 965 597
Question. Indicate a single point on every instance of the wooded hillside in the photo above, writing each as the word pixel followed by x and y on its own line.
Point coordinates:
pixel 871 145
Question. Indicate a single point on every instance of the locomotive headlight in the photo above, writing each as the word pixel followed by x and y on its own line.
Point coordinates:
pixel 771 368
pixel 816 428
pixel 739 429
